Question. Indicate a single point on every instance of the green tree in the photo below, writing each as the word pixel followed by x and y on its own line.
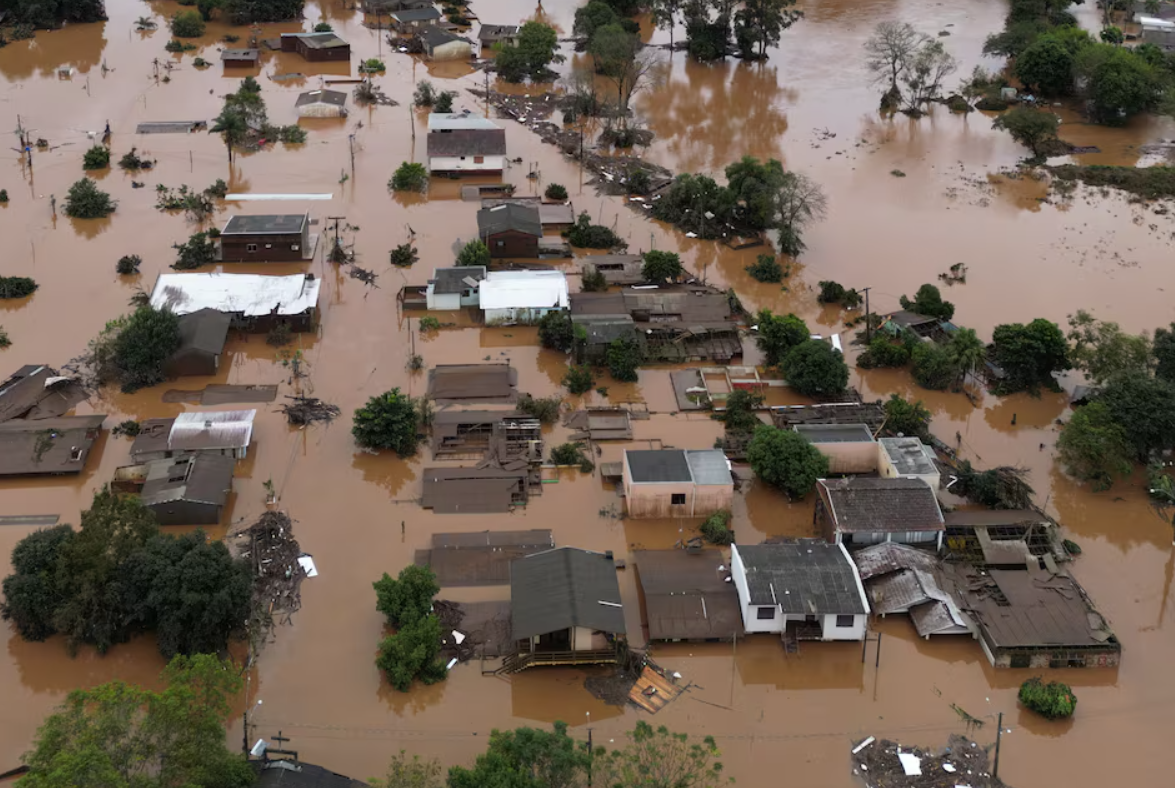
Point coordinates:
pixel 1101 349
pixel 388 421
pixel 1033 128
pixel 888 55
pixel 815 368
pixel 537 48
pixel 933 366
pixel 760 24
pixel 661 267
pixel 579 379
pixel 409 177
pixel 1163 349
pixel 408 597
pixel 197 251
pixel 1145 409
pixel 903 417
pixel 187 24
pixel 1112 35
pixel 966 351
pixel 1118 83
pixel 413 653
pixel 624 358
pixel 233 126
pixel 1092 446
pixel 526 758
pixel 738 413
pixel 786 460
pixel 474 253
pixel 411 773
pixel 1046 65
pixel 883 353
pixel 247 12
pixel 85 200
pixel 778 334
pixel 96 158
pixel 596 15
pixel 31 595
pixel 765 269
pixel 755 185
pixel 17 287
pixel 556 191
pixel 151 337
pixel 1053 700
pixel 665 14
pixel 659 758
pixel 1029 354
pixel 928 301
pixel 323 27
pixel 120 736
pixel 621 59
pixel 557 332
pixel 586 235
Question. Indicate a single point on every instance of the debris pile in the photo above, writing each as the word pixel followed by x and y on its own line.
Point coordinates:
pixel 886 764
pixel 272 551
pixel 307 410
pixel 485 631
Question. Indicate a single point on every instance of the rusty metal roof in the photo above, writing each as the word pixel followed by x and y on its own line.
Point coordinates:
pixel 471 490
pixel 472 382
pixel 564 587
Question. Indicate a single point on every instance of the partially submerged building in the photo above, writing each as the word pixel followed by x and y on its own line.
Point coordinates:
pixel 440 44
pixel 522 296
pixel 510 230
pixel 188 490
pixel 316 47
pixel 47 446
pixel 618 269
pixel 413 19
pixel 471 432
pixel 871 414
pixel 321 103
pixel 470 383
pixel 488 35
pixel 465 144
pixel 254 302
pixel 455 287
pixel 688 595
pixel 805 589
pixel 224 432
pixel 292 773
pixel 486 490
pixel 38 391
pixel 599 424
pixel 202 337
pixel 565 609
pixel 908 458
pixel 903 579
pixel 269 238
pixel 482 558
pixel 863 511
pixel 1002 537
pixel 240 58
pixel 850 448
pixel 676 482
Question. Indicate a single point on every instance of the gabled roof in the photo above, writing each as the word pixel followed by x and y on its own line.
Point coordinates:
pixel 252 295
pixel 318 40
pixel 222 429
pixel 417 14
pixel 469 142
pixel 295 774
pixel 334 97
pixel 36 391
pixel 496 32
pixel 508 216
pixel 805 577
pixel 875 505
pixel 453 121
pixel 204 331
pixel 562 588
pixel 434 36
pixel 536 289
pixel 199 478
pixel 58 445
pixel 240 54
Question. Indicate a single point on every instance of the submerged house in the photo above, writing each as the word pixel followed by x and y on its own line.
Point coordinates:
pixel 903 579
pixel 188 490
pixel 850 448
pixel 37 391
pixel 453 288
pixel 462 143
pixel 805 589
pixel 488 35
pixel 864 511
pixel 47 446
pixel 322 103
pixel 224 432
pixel 907 458
pixel 240 58
pixel 688 596
pixel 440 44
pixel 316 47
pixel 416 17
pixel 202 337
pixel 565 609
pixel 254 302
pixel 510 230
pixel 273 238
pixel 676 482
pixel 522 296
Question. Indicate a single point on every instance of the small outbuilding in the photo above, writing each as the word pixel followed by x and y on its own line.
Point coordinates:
pixel 850 448
pixel 676 482
pixel 316 47
pixel 804 589
pixel 240 58
pixel 510 229
pixel 223 432
pixel 453 288
pixel 522 296
pixel 267 238
pixel 202 337
pixel 908 458
pixel 565 608
pixel 187 490
pixel 322 104
pixel 864 511
pixel 440 44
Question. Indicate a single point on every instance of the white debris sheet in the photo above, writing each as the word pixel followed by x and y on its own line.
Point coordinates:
pixel 307 564
pixel 911 763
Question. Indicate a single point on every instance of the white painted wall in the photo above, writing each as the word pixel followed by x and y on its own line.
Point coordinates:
pixel 582 639
pixel 442 301
pixel 516 315
pixel 466 163
pixel 855 632
pixel 452 50
pixel 751 621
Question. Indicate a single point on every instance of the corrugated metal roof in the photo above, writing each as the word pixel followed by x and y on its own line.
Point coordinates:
pixel 446 281
pixel 873 505
pixel 909 455
pixel 225 429
pixel 496 32
pixel 335 98
pixel 200 478
pixel 880 559
pixel 252 295
pixel 686 595
pixel 524 289
pixel 803 577
pixel 509 216
pixel 709 466
pixel 563 588
pixel 454 121
pixel 468 142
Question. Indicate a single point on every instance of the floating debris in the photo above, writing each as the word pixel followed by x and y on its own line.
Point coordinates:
pixel 307 410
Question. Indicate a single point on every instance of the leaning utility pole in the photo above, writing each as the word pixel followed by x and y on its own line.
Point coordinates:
pixel 868 320
pixel 995 767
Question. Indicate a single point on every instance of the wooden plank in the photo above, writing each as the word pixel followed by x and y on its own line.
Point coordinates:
pixel 653 691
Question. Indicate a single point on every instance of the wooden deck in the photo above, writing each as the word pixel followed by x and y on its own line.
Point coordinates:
pixel 652 691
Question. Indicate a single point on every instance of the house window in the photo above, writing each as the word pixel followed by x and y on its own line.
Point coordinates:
pixel 501 244
pixel 766 614
pixel 677 499
pixel 250 247
pixel 294 247
pixel 269 246
pixel 479 159
pixel 845 622
pixel 462 158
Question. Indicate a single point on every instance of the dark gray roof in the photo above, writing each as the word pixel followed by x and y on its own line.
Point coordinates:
pixel 417 14
pixel 909 455
pixel 240 54
pixel 835 433
pixel 868 504
pixel 604 329
pixel 563 588
pixel 470 142
pixel 805 577
pixel 511 216
pixel 658 465
pixel 318 40
pixel 496 32
pixel 28 394
pixel 56 445
pixel 295 774
pixel 910 319
pixel 709 466
pixel 204 330
pixel 335 97
pixel 987 518
pixel 687 596
pixel 201 478
pixel 264 224
pixel 452 280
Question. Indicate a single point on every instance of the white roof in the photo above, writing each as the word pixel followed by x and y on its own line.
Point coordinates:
pixel 249 294
pixel 524 289
pixel 451 121
pixel 222 429
pixel 1155 22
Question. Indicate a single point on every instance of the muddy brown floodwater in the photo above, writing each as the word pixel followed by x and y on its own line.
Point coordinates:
pixel 1027 257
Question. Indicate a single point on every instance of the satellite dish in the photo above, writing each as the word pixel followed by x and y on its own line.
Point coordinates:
pixel 259 748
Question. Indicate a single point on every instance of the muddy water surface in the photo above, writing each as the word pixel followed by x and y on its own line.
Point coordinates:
pixel 812 107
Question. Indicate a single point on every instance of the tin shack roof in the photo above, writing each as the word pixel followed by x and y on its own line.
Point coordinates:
pixel 335 98
pixel 564 587
pixel 267 224
pixel 249 294
pixel 223 429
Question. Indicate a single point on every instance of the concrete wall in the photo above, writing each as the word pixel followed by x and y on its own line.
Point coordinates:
pixel 443 301
pixel 467 164
pixel 710 498
pixel 886 470
pixel 855 632
pixel 452 50
pixel 320 110
pixel 844 457
pixel 655 499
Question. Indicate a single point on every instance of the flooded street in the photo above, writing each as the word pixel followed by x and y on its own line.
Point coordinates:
pixel 811 107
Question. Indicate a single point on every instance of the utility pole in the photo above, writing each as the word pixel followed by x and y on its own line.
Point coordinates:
pixel 351 145
pixel 590 756
pixel 995 768
pixel 868 322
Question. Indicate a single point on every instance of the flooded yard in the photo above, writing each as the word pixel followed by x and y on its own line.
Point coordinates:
pixel 810 106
